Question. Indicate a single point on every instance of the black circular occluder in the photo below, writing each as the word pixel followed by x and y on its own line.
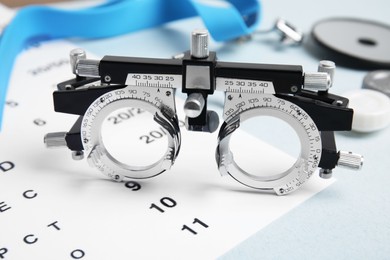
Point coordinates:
pixel 351 42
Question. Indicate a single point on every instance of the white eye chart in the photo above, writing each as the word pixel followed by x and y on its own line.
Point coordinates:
pixel 53 207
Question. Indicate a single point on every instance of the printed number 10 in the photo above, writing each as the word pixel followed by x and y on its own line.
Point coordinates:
pixel 166 202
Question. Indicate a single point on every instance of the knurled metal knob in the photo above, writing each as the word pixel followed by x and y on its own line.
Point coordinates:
pixel 200 43
pixel 317 81
pixel 56 139
pixel 328 67
pixel 88 68
pixel 350 160
pixel 75 55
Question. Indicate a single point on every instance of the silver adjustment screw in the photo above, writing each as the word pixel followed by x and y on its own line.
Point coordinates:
pixel 77 155
pixel 328 67
pixel 326 173
pixel 290 34
pixel 350 160
pixel 193 105
pixel 88 68
pixel 53 140
pixel 200 43
pixel 75 55
pixel 317 81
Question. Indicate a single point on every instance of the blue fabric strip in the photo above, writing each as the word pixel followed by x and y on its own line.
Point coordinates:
pixel 225 20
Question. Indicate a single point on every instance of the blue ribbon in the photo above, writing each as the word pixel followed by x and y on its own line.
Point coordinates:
pixel 225 21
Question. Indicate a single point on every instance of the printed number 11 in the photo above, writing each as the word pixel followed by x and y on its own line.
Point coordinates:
pixel 196 221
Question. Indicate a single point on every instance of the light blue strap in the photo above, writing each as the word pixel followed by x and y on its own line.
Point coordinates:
pixel 225 20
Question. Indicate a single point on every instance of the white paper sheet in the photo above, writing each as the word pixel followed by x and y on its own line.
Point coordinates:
pixel 52 207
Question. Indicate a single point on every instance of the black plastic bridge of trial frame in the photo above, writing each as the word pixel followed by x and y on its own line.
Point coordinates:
pixel 328 111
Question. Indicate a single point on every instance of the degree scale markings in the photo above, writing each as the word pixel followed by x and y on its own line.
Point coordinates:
pixel 154 80
pixel 244 86
pixel 222 84
pixel 246 105
pixel 150 99
pixel 100 104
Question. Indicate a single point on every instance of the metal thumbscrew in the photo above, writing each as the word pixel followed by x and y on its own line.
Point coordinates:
pixel 75 55
pixel 194 105
pixel 56 139
pixel 195 102
pixel 328 67
pixel 200 44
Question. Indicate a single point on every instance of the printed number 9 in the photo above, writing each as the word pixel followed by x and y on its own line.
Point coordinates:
pixel 134 186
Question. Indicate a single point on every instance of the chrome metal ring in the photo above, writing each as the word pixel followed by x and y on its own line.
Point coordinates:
pixel 97 154
pixel 284 182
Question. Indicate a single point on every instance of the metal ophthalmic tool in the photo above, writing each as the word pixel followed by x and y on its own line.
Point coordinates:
pixel 300 99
